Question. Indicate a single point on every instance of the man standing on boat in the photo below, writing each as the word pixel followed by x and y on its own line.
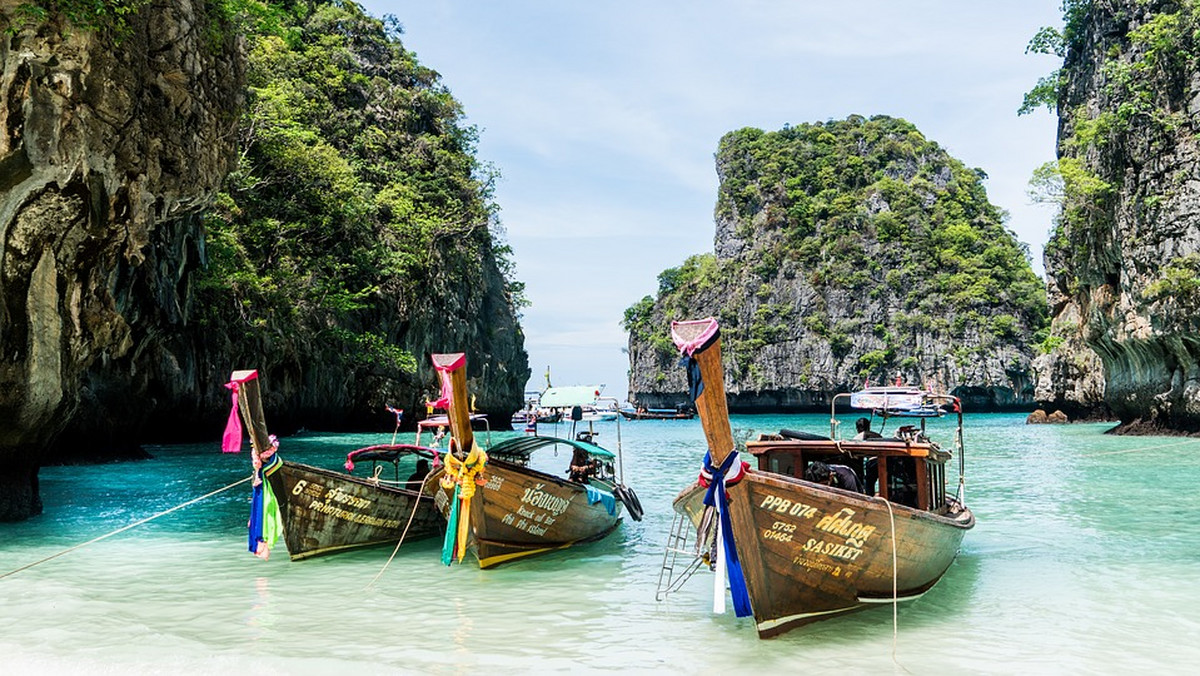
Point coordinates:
pixel 864 430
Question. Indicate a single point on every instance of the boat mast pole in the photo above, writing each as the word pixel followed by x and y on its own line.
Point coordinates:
pixel 711 405
pixel 457 413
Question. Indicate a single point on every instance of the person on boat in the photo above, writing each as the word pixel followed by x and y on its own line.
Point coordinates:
pixel 871 476
pixel 838 476
pixel 863 426
pixel 582 467
pixel 415 479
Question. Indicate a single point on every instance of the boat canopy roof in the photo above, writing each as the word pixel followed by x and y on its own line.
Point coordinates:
pixel 574 395
pixel 901 401
pixel 522 447
pixel 390 452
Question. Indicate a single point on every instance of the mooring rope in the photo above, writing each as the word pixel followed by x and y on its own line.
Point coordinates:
pixel 125 528
pixel 413 513
pixel 895 590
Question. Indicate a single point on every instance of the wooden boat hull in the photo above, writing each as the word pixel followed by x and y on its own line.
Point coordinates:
pixel 809 551
pixel 520 512
pixel 326 511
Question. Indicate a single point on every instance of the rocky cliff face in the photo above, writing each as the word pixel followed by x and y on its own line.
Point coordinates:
pixel 1070 378
pixel 108 151
pixel 114 330
pixel 1125 258
pixel 848 251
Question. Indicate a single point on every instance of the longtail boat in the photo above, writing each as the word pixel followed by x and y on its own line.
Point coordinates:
pixel 658 414
pixel 796 538
pixel 320 511
pixel 500 507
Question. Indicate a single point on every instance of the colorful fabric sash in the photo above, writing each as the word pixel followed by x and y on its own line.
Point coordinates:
pixel 266 521
pixel 443 401
pixel 462 475
pixel 716 491
pixel 231 442
pixel 689 349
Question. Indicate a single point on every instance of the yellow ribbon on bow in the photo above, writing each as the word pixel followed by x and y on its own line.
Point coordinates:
pixel 464 474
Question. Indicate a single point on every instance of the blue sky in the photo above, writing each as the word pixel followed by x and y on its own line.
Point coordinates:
pixel 603 118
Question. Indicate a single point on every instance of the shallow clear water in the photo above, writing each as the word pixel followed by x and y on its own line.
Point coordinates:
pixel 1085 559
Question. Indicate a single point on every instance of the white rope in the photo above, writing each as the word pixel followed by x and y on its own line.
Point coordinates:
pixel 895 590
pixel 413 513
pixel 125 528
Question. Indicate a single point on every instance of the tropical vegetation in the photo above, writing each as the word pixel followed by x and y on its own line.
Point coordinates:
pixel 865 212
pixel 358 194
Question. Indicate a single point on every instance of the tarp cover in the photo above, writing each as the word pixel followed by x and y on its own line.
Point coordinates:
pixel 896 401
pixel 575 395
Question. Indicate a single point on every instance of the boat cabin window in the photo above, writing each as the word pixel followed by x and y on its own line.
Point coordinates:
pixel 907 480
pixel 781 463
pixel 901 480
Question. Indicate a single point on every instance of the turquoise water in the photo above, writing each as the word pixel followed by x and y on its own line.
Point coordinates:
pixel 1085 559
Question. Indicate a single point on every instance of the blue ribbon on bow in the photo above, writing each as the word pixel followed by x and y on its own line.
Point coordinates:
pixel 695 379
pixel 254 528
pixel 716 490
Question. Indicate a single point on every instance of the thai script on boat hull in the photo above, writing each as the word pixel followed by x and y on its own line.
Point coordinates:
pixel 332 495
pixel 554 504
pixel 842 523
pixel 354 517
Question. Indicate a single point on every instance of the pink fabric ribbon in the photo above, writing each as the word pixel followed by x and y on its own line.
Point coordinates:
pixel 231 442
pixel 443 401
pixel 690 346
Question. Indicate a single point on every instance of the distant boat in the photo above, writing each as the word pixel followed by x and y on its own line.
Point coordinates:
pixel 500 508
pixel 797 547
pixel 533 412
pixel 595 414
pixel 658 414
pixel 560 403
pixel 321 511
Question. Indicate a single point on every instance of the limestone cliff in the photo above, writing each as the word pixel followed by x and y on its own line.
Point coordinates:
pixel 109 147
pixel 138 267
pixel 848 251
pixel 1125 256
